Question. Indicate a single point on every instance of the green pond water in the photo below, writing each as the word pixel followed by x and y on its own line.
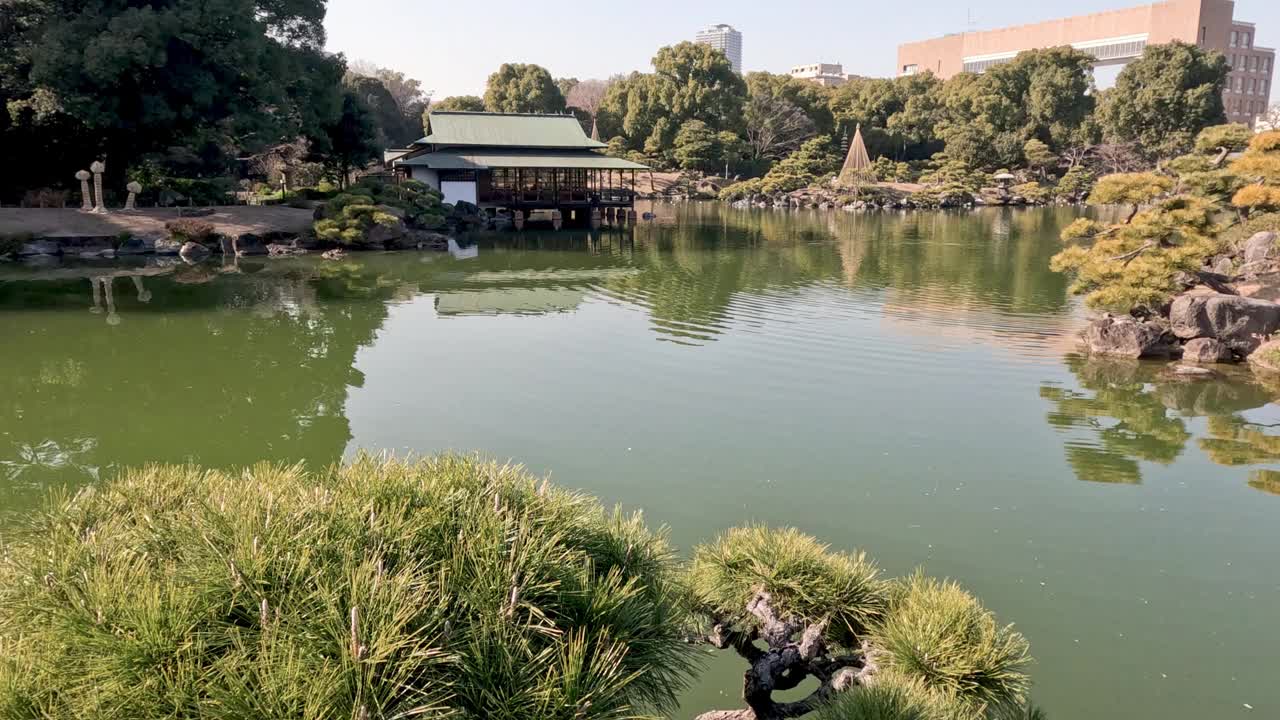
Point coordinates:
pixel 906 384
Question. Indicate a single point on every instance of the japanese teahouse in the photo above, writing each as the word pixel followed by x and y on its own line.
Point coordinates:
pixel 519 162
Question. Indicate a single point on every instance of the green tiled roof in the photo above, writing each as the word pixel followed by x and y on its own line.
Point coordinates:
pixel 487 159
pixel 507 130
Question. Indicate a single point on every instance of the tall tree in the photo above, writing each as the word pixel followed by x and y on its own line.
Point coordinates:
pixel 697 147
pixel 987 119
pixel 392 127
pixel 211 78
pixel 518 88
pixel 689 82
pixel 350 142
pixel 775 128
pixel 587 95
pixel 1164 98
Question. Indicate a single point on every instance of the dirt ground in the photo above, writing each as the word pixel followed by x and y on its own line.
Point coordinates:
pixel 229 221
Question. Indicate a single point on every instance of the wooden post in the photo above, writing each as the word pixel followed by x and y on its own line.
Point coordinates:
pixel 557 220
pixel 518 219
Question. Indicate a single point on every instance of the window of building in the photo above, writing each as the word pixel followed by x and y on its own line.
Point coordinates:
pixel 1266 62
pixel 1239 84
pixel 1235 38
pixel 1248 62
pixel 910 69
pixel 1247 40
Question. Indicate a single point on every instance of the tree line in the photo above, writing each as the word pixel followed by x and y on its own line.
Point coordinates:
pixel 187 95
pixel 168 97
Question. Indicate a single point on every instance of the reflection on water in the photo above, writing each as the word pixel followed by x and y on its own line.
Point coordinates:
pixel 1126 411
pixel 879 380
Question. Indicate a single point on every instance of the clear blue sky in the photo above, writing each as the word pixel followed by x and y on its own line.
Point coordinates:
pixel 452 46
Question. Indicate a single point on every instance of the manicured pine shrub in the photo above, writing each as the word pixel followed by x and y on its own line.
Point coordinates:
pixel 442 588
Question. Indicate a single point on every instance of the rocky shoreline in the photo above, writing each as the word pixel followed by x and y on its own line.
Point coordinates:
pixel 1229 312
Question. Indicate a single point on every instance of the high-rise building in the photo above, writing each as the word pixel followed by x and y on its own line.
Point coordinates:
pixel 824 74
pixel 1115 38
pixel 725 39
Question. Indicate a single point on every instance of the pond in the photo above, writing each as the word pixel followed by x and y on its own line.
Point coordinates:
pixel 906 384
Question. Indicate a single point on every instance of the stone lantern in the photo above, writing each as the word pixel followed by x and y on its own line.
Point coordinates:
pixel 134 188
pixel 86 200
pixel 98 167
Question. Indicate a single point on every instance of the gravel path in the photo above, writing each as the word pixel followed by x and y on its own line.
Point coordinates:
pixel 230 221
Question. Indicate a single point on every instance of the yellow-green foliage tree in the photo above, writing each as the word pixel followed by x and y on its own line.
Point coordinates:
pixel 1260 167
pixel 1136 263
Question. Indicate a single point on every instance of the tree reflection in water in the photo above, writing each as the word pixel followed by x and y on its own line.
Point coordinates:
pixel 1127 412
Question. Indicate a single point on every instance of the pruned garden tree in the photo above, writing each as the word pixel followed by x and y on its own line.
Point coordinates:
pixel 445 588
pixel 797 612
pixel 1143 260
pixel 1260 169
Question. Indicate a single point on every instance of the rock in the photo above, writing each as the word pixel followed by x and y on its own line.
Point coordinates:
pixel 281 250
pixel 1260 247
pixel 1207 350
pixel 1178 371
pixel 334 254
pixel 1241 323
pixel 1126 337
pixel 1223 266
pixel 40 247
pixel 137 246
pixel 193 252
pixel 1267 357
pixel 190 212
pixel 165 246
pixel 389 237
pixel 1265 286
pixel 430 241
pixel 249 244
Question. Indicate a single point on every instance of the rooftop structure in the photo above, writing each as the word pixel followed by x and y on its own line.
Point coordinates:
pixel 1115 37
pixel 526 162
pixel 725 39
pixel 824 74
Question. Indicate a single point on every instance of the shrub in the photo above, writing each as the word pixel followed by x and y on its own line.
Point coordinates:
pixel 1032 192
pixel 888 699
pixel 186 230
pixel 939 635
pixel 742 190
pixel 1075 185
pixel 384 589
pixel 913 649
pixel 806 580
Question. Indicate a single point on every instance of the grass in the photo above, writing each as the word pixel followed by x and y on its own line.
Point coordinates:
pixel 447 587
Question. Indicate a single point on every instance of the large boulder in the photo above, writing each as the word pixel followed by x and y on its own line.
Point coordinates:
pixel 1241 323
pixel 193 252
pixel 1260 247
pixel 390 237
pixel 249 244
pixel 165 246
pixel 1126 337
pixel 1267 358
pixel 1263 286
pixel 1207 350
pixel 39 247
pixel 137 246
